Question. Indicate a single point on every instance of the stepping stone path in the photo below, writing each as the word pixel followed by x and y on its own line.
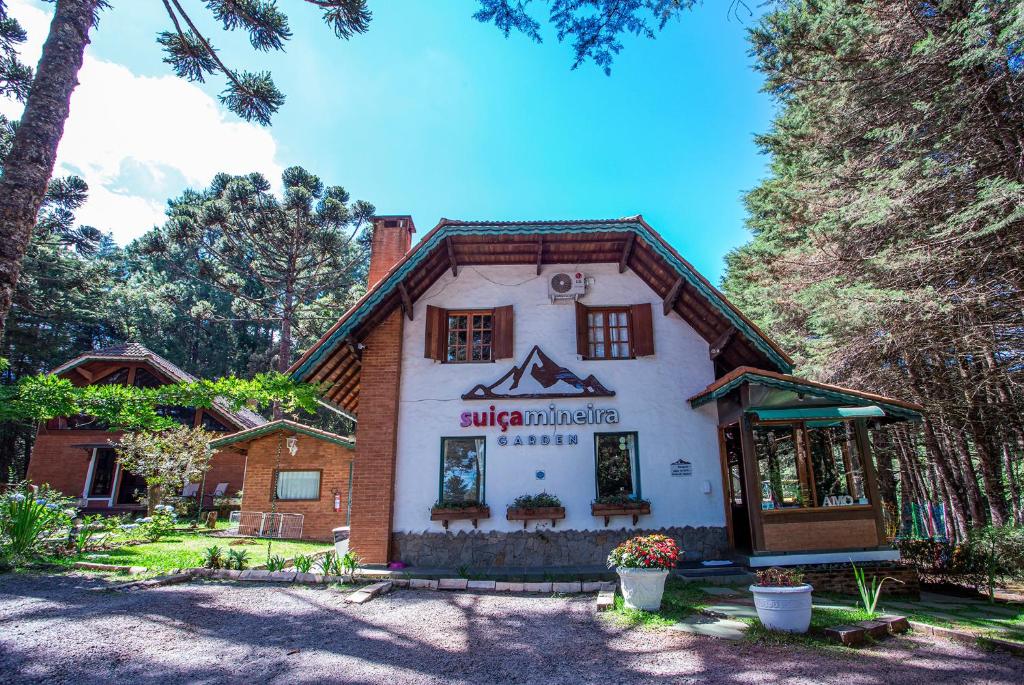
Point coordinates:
pixel 732 610
pixel 712 627
pixel 720 591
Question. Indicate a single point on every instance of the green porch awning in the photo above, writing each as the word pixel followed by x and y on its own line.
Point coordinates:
pixel 809 413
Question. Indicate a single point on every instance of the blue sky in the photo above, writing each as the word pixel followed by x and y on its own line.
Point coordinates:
pixel 433 114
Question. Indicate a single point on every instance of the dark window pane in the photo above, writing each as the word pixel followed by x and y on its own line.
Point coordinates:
pixel 781 482
pixel 462 469
pixel 119 377
pixel 837 463
pixel 145 379
pixel 183 415
pixel 211 423
pixel 102 483
pixel 616 454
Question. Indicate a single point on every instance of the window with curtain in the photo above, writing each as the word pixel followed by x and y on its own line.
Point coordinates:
pixel 617 466
pixel 462 470
pixel 298 485
pixel 608 333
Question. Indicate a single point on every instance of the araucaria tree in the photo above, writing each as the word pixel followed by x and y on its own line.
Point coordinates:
pixel 887 242
pixel 167 459
pixel 292 262
pixel 190 54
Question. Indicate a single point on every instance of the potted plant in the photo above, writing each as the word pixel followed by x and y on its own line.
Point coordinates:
pixel 642 564
pixel 783 600
pixel 459 510
pixel 620 505
pixel 528 508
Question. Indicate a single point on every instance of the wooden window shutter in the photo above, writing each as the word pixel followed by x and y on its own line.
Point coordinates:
pixel 642 327
pixel 582 346
pixel 503 332
pixel 433 340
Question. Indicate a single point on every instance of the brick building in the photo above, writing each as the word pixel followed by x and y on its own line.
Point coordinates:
pixel 74 454
pixel 291 468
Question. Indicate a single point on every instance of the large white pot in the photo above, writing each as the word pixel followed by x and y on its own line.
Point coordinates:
pixel 787 609
pixel 642 588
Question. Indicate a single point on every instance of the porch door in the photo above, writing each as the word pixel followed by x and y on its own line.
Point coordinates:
pixel 130 488
pixel 734 488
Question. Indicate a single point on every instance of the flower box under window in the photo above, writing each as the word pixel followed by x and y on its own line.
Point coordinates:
pixel 608 510
pixel 527 514
pixel 466 513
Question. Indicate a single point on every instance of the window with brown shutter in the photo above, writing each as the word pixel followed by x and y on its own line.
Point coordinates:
pixel 468 336
pixel 503 332
pixel 614 332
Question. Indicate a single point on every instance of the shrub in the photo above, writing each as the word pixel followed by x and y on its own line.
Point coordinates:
pixel 330 564
pixel 213 557
pixel 452 504
pixel 780 577
pixel 185 507
pixel 89 528
pixel 276 563
pixel 238 559
pixel 159 524
pixel 997 555
pixel 303 563
pixel 652 551
pixel 349 563
pixel 869 594
pixel 623 500
pixel 29 518
pixel 536 501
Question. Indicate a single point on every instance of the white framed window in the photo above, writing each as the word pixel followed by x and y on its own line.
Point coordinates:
pixel 298 485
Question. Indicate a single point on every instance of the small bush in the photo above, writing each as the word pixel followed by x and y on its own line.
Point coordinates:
pixel 28 518
pixel 276 563
pixel 997 555
pixel 330 564
pixel 350 562
pixel 536 501
pixel 238 559
pixel 303 563
pixel 160 524
pixel 780 577
pixel 623 500
pixel 213 557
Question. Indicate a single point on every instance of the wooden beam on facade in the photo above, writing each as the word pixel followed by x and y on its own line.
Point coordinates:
pixel 85 374
pixel 406 300
pixel 353 347
pixel 451 256
pixel 718 347
pixel 673 295
pixel 627 250
pixel 540 253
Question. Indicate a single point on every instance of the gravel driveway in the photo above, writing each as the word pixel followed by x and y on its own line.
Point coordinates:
pixel 53 629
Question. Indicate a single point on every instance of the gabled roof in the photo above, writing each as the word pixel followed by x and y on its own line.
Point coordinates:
pixel 630 242
pixel 745 374
pixel 283 425
pixel 135 352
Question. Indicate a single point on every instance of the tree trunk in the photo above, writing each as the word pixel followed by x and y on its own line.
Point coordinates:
pixel 154 493
pixel 29 165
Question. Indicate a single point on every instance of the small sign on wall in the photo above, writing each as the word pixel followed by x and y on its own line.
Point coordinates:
pixel 681 468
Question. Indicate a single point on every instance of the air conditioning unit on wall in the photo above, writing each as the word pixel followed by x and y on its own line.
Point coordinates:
pixel 563 286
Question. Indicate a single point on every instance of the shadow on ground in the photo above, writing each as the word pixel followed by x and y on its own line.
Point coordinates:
pixel 53 628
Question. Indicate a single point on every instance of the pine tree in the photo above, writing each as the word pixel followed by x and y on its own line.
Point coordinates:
pixel 292 263
pixel 887 246
pixel 190 54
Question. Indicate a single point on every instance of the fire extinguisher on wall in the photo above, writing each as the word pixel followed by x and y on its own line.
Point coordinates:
pixel 337 501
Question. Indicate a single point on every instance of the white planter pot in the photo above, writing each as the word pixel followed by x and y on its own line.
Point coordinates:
pixel 642 588
pixel 786 609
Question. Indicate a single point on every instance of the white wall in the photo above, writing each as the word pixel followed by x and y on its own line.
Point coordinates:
pixel 651 396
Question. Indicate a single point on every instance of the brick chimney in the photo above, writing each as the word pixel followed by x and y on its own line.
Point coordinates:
pixel 392 238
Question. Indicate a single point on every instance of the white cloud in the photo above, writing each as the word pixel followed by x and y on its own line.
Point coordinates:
pixel 139 140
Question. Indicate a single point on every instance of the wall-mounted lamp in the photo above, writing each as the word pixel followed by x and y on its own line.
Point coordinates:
pixel 293 445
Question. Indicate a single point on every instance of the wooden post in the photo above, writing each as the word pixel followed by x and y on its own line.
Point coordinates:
pixel 871 484
pixel 751 474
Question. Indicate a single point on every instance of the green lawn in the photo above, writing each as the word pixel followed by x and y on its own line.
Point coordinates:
pixel 679 601
pixel 185 550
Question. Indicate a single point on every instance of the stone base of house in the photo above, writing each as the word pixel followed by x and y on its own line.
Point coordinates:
pixel 839 578
pixel 543 547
